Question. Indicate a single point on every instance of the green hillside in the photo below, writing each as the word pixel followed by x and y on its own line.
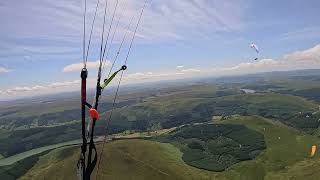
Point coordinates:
pixel 284 157
pixel 133 159
pixel 287 151
pixel 216 147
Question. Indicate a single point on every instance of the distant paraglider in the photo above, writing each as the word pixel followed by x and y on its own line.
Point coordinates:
pixel 256 48
pixel 313 150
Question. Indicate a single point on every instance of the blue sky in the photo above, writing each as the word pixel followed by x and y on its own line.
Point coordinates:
pixel 176 39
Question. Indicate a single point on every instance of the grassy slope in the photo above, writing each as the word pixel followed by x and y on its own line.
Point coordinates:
pixel 19 168
pixel 140 159
pixel 163 108
pixel 284 108
pixel 134 159
pixel 285 156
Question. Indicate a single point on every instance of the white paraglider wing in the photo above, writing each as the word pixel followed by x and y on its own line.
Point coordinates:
pixel 255 47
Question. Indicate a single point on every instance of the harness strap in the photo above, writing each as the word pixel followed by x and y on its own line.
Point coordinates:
pixel 82 162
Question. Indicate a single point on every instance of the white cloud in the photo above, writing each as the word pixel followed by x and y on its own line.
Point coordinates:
pixel 167 75
pixel 60 21
pixel 176 19
pixel 4 70
pixel 77 67
pixel 41 88
pixel 38 87
pixel 63 84
pixel 179 67
pixel 182 70
pixel 134 77
pixel 191 70
pixel 21 89
pixel 312 54
pixel 305 59
pixel 180 73
pixel 263 64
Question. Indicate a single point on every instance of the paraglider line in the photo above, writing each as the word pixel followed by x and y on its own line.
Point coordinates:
pixel 117 91
pixel 91 31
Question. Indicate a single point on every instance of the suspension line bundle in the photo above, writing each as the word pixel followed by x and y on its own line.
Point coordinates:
pixel 85 166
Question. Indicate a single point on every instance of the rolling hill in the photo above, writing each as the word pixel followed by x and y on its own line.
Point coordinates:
pixel 283 158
